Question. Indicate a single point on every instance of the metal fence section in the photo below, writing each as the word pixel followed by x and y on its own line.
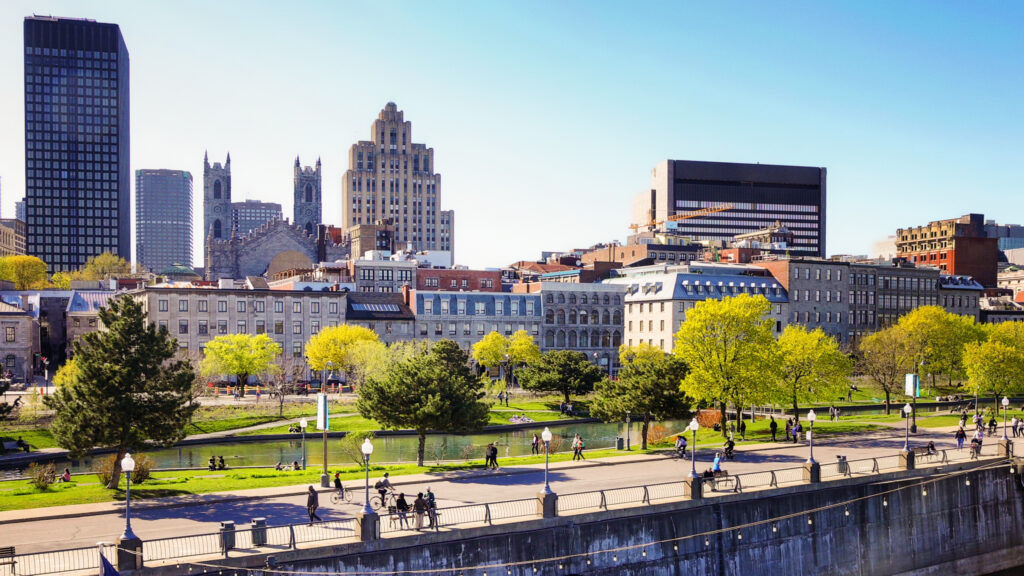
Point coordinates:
pixel 789 475
pixel 863 466
pixel 331 530
pixel 181 547
pixel 755 480
pixel 627 495
pixel 666 491
pixel 60 562
pixel 888 462
pixel 579 501
pixel 524 508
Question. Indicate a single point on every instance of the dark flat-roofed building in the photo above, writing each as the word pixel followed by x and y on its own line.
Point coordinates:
pixel 77 180
pixel 759 196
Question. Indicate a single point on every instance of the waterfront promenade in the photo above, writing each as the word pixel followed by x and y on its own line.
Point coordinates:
pixel 56 528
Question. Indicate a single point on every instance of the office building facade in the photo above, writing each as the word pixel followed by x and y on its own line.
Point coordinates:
pixel 391 178
pixel 252 215
pixel 163 218
pixel 77 180
pixel 757 196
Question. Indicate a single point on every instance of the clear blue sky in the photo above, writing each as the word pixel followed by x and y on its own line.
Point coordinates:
pixel 547 117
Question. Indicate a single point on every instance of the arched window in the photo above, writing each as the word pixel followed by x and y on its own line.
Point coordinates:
pixel 572 316
pixel 560 339
pixel 549 339
pixel 309 192
pixel 583 298
pixel 549 299
pixel 572 339
pixel 572 298
pixel 584 340
pixel 560 317
pixel 595 317
pixel 617 317
pixel 583 316
pixel 549 316
pixel 616 339
pixel 216 229
pixel 606 299
pixel 216 189
pixel 606 339
pixel 618 300
pixel 561 298
pixel 309 228
pixel 606 318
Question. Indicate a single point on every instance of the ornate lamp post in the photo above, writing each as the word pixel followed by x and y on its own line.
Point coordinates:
pixel 367 449
pixel 907 410
pixel 129 546
pixel 128 465
pixel 302 425
pixel 694 426
pixel 547 501
pixel 1006 404
pixel 627 430
pixel 546 437
pixel 811 417
pixel 367 520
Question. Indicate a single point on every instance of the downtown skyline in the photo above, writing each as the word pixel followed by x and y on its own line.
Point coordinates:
pixel 547 120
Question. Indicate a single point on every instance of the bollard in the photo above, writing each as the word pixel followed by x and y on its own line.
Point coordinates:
pixel 227 536
pixel 259 531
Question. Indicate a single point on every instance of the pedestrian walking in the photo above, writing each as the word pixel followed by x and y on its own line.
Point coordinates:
pixel 789 428
pixel 494 456
pixel 578 446
pixel 960 436
pixel 431 507
pixel 797 428
pixel 501 397
pixel 419 507
pixel 773 426
pixel 487 456
pixel 402 508
pixel 743 431
pixel 535 445
pixel 312 503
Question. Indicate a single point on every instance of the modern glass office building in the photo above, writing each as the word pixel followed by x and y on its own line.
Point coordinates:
pixel 77 178
pixel 163 218
pixel 757 196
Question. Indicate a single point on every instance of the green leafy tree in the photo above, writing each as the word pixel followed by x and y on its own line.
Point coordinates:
pixel 102 267
pixel 130 390
pixel 433 389
pixel 937 339
pixel 563 371
pixel 241 356
pixel 522 350
pixel 367 357
pixel 997 364
pixel 729 350
pixel 67 374
pixel 26 272
pixel 334 347
pixel 811 366
pixel 648 386
pixel 490 350
pixel 5 408
pixel 887 356
pixel 61 280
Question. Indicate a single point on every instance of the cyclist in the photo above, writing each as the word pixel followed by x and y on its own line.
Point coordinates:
pixel 382 486
pixel 338 486
pixel 681 446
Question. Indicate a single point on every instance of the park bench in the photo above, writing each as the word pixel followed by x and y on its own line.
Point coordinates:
pixel 922 452
pixel 12 446
pixel 7 557
pixel 722 481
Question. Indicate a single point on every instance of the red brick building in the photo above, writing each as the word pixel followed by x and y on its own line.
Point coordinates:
pixel 958 246
pixel 455 280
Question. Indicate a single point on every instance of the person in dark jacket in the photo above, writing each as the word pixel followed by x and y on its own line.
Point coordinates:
pixel 312 503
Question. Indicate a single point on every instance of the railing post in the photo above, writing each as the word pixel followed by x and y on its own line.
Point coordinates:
pixel 738 487
pixel 774 480
pixel 647 497
pixel 604 503
pixel 487 514
pixel 874 465
pixel 291 536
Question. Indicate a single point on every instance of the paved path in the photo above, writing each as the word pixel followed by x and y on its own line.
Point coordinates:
pixel 45 529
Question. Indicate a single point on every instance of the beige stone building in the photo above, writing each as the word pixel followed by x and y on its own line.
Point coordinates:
pixel 19 340
pixel 391 178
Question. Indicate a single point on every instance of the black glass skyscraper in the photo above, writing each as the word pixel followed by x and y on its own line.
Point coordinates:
pixel 77 177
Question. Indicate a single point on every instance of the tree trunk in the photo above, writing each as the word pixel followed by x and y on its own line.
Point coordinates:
pixel 643 431
pixel 115 474
pixel 796 408
pixel 886 401
pixel 421 448
pixel 280 402
pixel 566 392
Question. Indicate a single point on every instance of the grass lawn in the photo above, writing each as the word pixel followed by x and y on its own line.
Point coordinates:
pixel 36 437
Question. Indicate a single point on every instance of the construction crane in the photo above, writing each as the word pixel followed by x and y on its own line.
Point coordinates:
pixel 683 216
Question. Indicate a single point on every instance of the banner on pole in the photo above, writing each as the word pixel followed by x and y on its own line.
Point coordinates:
pixel 912 386
pixel 322 421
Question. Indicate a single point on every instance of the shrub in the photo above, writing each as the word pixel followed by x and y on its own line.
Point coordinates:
pixel 656 433
pixel 104 467
pixel 143 467
pixel 350 446
pixel 41 476
pixel 708 418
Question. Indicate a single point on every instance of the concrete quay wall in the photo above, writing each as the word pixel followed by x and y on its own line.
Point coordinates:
pixel 916 522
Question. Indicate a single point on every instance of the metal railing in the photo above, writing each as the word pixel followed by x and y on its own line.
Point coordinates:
pixel 59 562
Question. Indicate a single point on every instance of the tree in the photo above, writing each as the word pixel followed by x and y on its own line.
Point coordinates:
pixel 334 346
pixel 26 272
pixel 490 350
pixel 996 365
pixel 240 355
pixel 887 356
pixel 522 350
pixel 5 408
pixel 648 386
pixel 102 267
pixel 367 357
pixel 564 371
pixel 60 280
pixel 68 374
pixel 130 389
pixel 433 389
pixel 811 366
pixel 937 340
pixel 729 350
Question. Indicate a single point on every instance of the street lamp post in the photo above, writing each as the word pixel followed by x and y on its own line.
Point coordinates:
pixel 368 523
pixel 627 430
pixel 907 411
pixel 367 449
pixel 694 426
pixel 128 465
pixel 302 426
pixel 508 376
pixel 129 546
pixel 546 437
pixel 1006 404
pixel 811 417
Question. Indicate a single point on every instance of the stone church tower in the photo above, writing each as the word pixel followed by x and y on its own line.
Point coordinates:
pixel 308 206
pixel 216 200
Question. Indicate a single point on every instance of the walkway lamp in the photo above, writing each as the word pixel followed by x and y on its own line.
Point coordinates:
pixel 546 437
pixel 906 413
pixel 1006 404
pixel 367 449
pixel 627 430
pixel 811 417
pixel 302 425
pixel 694 426
pixel 128 465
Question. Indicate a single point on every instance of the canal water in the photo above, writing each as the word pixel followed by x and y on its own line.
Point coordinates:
pixel 393 449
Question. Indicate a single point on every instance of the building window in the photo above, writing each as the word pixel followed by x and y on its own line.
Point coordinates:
pixel 314 327
pixel 241 327
pixel 259 305
pixel 222 326
pixel 9 333
pixel 240 306
pixel 296 327
pixel 444 306
pixel 297 350
pixel 279 327
pixel 222 305
pixel 297 307
pixel 182 305
pixel 279 306
pixel 261 327
pixel 161 305
pixel 314 307
pixel 462 307
pixel 204 327
pixel 203 304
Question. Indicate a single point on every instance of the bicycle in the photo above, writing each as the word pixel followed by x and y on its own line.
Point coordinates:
pixel 390 501
pixel 338 498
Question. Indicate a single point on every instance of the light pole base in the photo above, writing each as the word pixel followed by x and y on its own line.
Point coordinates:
pixel 367 526
pixel 907 459
pixel 695 486
pixel 547 504
pixel 129 554
pixel 1006 448
pixel 325 480
pixel 812 472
